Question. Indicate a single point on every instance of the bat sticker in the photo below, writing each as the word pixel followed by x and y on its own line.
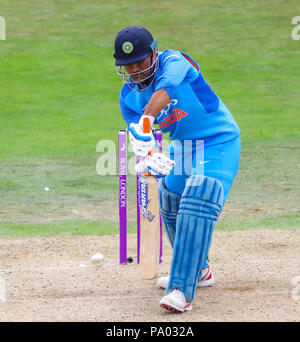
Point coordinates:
pixel 144 202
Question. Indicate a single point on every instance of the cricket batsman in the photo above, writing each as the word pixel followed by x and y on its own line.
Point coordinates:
pixel 195 179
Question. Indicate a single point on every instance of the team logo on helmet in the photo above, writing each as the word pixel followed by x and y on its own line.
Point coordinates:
pixel 127 47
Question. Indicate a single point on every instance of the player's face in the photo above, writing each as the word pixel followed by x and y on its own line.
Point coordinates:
pixel 140 71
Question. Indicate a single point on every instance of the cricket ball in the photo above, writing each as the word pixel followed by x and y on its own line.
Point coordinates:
pixel 97 259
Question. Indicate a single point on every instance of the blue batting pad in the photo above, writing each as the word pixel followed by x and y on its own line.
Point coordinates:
pixel 199 209
pixel 169 205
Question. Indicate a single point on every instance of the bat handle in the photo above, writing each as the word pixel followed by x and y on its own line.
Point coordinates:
pixel 147 129
pixel 146 125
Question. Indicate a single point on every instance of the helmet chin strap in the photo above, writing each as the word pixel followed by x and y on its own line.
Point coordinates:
pixel 151 66
pixel 149 80
pixel 145 83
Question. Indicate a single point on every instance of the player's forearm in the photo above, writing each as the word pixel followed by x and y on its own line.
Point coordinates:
pixel 158 101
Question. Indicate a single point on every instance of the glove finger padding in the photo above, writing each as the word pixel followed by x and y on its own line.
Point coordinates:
pixel 157 164
pixel 140 167
pixel 141 142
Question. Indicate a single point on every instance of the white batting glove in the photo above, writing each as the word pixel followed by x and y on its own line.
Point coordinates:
pixel 157 164
pixel 142 143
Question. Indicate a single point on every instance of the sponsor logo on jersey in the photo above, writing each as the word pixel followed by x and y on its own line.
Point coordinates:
pixel 168 116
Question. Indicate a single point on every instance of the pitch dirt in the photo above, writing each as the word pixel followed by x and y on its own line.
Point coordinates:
pixel 257 277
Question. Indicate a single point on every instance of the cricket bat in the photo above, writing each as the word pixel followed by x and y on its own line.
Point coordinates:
pixel 150 222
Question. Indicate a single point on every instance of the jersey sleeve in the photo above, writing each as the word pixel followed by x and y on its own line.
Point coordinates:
pixel 175 69
pixel 129 115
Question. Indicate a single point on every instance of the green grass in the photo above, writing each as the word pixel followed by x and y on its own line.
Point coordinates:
pixel 76 227
pixel 59 98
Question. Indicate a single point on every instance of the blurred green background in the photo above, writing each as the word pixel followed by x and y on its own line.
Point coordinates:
pixel 59 97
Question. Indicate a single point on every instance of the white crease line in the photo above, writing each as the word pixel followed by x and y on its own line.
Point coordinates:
pixel 257 260
pixel 57 268
pixel 67 299
pixel 271 261
pixel 273 292
pixel 42 268
pixel 28 300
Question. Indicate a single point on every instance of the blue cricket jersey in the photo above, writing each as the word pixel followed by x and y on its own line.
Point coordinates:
pixel 194 111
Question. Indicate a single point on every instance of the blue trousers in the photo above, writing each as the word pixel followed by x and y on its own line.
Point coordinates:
pixel 193 157
pixel 193 231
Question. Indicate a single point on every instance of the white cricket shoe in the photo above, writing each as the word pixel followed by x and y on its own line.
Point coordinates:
pixel 207 279
pixel 175 301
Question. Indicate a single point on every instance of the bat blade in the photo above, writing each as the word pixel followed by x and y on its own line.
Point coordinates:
pixel 149 222
pixel 149 228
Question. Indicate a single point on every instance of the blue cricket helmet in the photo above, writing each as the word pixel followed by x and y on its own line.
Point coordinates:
pixel 132 45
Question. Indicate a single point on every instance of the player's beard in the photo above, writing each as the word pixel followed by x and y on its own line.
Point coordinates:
pixel 142 78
